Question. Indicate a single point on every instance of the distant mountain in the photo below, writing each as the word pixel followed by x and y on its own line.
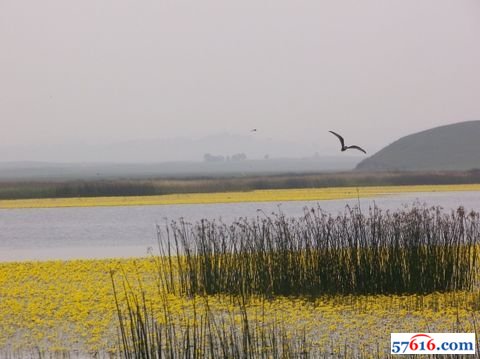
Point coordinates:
pixel 451 147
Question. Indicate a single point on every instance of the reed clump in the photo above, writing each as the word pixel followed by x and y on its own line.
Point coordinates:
pixel 414 250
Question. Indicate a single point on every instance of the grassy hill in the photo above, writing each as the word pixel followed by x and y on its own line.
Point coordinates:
pixel 453 147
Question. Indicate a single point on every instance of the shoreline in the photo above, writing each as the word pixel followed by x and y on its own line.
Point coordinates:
pixel 271 195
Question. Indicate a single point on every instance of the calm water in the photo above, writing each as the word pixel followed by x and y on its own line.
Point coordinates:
pixel 97 232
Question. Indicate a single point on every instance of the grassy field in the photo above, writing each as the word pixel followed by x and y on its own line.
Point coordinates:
pixel 303 194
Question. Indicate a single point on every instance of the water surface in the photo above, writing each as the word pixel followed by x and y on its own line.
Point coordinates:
pixel 101 232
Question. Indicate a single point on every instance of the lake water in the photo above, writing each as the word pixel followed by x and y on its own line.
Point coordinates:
pixel 103 232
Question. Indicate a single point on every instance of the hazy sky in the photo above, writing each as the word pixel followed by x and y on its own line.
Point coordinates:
pixel 115 70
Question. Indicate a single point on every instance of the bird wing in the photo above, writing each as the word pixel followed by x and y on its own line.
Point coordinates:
pixel 356 148
pixel 339 137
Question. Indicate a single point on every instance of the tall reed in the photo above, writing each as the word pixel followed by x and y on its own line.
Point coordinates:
pixel 203 334
pixel 414 250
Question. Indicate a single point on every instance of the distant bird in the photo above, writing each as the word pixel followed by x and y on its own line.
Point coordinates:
pixel 342 142
pixel 254 130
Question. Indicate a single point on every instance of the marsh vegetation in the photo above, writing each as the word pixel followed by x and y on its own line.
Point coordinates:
pixel 417 250
pixel 148 186
pixel 177 303
pixel 353 258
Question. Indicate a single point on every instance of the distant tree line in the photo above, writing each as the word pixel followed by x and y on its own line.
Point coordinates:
pixel 207 157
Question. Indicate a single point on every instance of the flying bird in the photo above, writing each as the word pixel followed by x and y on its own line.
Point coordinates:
pixel 254 130
pixel 342 142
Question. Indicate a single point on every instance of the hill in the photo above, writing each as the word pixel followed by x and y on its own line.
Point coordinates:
pixel 453 147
